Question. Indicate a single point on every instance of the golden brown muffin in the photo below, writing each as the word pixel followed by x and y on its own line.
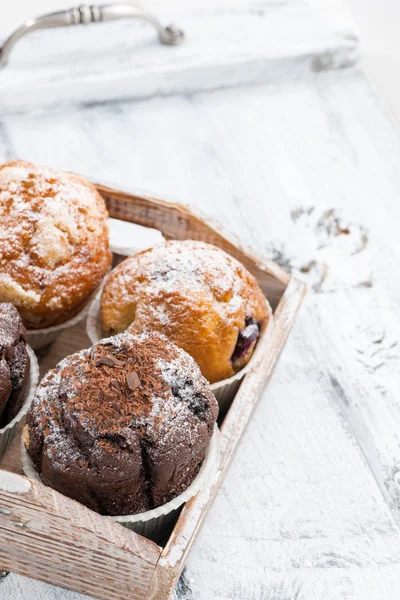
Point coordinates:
pixel 54 248
pixel 197 295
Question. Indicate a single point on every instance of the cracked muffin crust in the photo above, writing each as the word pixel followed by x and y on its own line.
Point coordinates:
pixel 122 427
pixel 14 363
pixel 54 248
pixel 199 296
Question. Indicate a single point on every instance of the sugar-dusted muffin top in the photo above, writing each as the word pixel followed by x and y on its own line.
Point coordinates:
pixel 14 363
pixel 54 248
pixel 197 295
pixel 122 427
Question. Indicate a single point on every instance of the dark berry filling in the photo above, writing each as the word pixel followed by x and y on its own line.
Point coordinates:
pixel 246 341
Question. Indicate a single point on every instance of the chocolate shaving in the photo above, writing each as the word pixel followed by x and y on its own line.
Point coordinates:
pixel 107 399
pixel 132 381
pixel 113 395
pixel 110 361
pixel 115 384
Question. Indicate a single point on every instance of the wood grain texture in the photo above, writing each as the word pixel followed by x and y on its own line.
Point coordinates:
pixel 309 507
pixel 124 60
pixel 54 539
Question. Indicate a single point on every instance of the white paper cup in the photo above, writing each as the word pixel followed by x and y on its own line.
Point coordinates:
pixel 224 390
pixel 94 329
pixel 39 338
pixel 7 432
pixel 127 239
pixel 154 523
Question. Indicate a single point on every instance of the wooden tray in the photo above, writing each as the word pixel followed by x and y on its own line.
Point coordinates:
pixel 47 536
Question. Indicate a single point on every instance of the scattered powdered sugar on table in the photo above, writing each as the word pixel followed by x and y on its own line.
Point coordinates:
pixel 376 347
pixel 331 252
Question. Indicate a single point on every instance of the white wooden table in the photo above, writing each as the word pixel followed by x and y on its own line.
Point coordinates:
pixel 310 507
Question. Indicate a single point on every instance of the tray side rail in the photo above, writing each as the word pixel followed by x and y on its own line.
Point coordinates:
pixel 46 536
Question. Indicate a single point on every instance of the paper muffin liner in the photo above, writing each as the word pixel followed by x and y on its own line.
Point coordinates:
pixel 154 523
pixel 39 338
pixel 94 329
pixel 7 432
pixel 224 390
pixel 127 239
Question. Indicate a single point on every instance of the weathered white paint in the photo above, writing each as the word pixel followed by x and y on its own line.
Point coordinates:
pixel 310 507
pixel 300 492
pixel 122 60
pixel 15 587
pixel 9 482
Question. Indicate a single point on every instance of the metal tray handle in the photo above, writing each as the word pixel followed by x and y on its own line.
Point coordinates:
pixel 84 15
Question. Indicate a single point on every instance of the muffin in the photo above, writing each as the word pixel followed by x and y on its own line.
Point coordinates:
pixel 14 364
pixel 122 427
pixel 200 297
pixel 54 248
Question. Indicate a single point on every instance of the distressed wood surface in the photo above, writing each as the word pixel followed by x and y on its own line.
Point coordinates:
pixel 306 170
pixel 71 546
pixel 223 47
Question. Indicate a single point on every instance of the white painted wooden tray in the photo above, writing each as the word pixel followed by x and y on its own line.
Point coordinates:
pixel 256 43
pixel 310 507
pixel 49 537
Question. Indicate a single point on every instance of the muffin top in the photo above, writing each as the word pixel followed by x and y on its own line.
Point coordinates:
pixel 196 294
pixel 14 363
pixel 122 413
pixel 53 242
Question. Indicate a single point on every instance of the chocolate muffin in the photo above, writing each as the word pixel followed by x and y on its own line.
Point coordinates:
pixel 197 295
pixel 122 427
pixel 14 363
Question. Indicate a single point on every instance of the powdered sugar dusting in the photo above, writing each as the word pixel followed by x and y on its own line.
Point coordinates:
pixel 11 290
pixel 195 293
pixel 326 250
pixel 193 266
pixel 127 400
pixel 51 224
pixel 185 268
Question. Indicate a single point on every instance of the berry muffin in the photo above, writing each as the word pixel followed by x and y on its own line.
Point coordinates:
pixel 122 427
pixel 14 364
pixel 200 297
pixel 54 248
